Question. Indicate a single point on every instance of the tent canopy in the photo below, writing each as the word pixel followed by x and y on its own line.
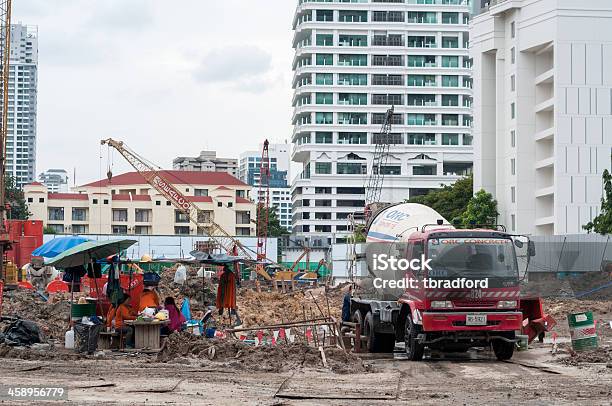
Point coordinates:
pixel 58 245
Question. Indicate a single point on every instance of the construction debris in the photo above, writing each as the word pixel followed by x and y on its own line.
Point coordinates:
pixel 200 291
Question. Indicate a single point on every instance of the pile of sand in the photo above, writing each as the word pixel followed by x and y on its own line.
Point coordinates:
pixel 235 354
pixel 52 317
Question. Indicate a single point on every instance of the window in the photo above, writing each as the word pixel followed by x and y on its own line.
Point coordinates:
pixel 467 139
pixel 352 79
pixel 450 139
pixel 57 228
pixel 79 229
pixel 323 190
pixel 94 201
pixel 325 79
pixel 513 166
pixel 352 40
pixel 422 17
pixel 424 170
pixel 142 230
pixel 352 60
pixel 513 222
pixel 421 119
pixel 513 138
pixel 450 42
pixel 513 194
pixel 391 138
pixel 512 83
pixel 379 118
pixel 387 80
pixel 243 217
pixel 388 16
pixel 512 110
pixel 219 204
pixel 325 40
pixel 353 16
pixel 143 215
pixel 41 200
pixel 350 191
pixel 158 203
pixel 389 169
pixel 325 98
pixel 513 55
pixel 450 119
pixel 105 201
pixel 79 214
pixel 353 99
pixel 56 213
pixel 120 215
pixel 422 100
pixel 450 81
pixel 353 118
pixel 450 100
pixel 323 168
pixel 422 61
pixel 352 138
pixel 388 99
pixel 323 138
pixel 119 229
pixel 200 192
pixel 243 231
pixel 512 29
pixel 324 118
pixel 351 168
pixel 230 204
pixel 325 59
pixel 181 230
pixel 322 216
pixel 325 15
pixel 450 61
pixel 30 200
pixel 421 80
pixel 450 18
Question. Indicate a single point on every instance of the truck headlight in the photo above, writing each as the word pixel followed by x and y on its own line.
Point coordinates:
pixel 441 304
pixel 507 304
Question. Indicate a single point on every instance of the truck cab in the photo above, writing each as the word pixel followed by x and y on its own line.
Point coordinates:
pixel 466 295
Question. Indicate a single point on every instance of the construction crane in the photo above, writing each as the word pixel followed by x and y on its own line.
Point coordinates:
pixel 379 161
pixel 263 209
pixel 5 57
pixel 155 178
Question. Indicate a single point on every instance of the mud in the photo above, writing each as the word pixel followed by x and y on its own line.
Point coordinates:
pixel 237 355
pixel 560 308
pixel 601 355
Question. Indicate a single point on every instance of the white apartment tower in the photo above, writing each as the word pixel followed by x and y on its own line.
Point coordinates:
pixel 22 97
pixel 354 60
pixel 542 110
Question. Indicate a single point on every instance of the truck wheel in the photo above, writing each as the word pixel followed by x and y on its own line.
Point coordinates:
pixel 414 349
pixel 504 350
pixel 358 319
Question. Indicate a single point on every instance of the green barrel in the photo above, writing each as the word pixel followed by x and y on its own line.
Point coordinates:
pixel 83 310
pixel 582 331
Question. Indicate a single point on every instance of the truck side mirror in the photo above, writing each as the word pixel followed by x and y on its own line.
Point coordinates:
pixel 531 250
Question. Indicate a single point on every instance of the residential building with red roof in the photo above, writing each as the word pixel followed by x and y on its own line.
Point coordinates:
pixel 126 204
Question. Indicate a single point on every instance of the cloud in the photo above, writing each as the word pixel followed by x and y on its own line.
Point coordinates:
pixel 234 65
pixel 132 15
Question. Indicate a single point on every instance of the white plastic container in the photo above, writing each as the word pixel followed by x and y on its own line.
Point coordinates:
pixel 69 339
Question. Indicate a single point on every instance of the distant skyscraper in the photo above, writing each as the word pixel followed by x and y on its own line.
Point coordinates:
pixel 206 162
pixel 56 180
pixel 23 84
pixel 280 193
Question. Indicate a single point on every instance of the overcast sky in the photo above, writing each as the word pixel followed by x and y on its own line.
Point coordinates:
pixel 169 78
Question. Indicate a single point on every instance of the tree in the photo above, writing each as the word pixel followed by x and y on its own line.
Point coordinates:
pixel 481 209
pixel 602 224
pixel 274 227
pixel 15 199
pixel 49 230
pixel 450 201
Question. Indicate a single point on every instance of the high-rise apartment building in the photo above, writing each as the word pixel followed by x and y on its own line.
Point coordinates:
pixel 280 192
pixel 543 110
pixel 353 61
pixel 56 180
pixel 22 100
pixel 207 161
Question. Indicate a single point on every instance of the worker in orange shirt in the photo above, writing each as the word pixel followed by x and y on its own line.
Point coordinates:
pixel 148 298
pixel 118 315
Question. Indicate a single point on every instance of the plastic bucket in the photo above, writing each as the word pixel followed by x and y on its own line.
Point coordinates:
pixel 582 331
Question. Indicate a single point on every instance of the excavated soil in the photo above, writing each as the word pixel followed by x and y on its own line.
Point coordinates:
pixel 266 308
pixel 601 355
pixel 52 317
pixel 560 308
pixel 238 355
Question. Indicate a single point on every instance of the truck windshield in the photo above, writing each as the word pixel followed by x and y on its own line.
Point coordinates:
pixel 472 257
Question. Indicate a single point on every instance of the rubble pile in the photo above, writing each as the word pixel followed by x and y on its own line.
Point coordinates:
pixel 235 354
pixel 52 317
pixel 266 308
pixel 560 308
pixel 601 355
pixel 200 291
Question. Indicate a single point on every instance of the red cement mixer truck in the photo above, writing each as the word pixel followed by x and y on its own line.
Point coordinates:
pixel 444 288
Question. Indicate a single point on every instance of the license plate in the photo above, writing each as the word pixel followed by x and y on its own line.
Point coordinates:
pixel 476 320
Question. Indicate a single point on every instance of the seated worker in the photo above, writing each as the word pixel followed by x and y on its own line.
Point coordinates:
pixel 175 317
pixel 117 316
pixel 149 298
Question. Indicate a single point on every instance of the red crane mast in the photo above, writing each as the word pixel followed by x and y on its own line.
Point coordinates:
pixel 263 208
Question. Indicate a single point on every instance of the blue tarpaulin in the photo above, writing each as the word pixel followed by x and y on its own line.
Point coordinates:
pixel 58 245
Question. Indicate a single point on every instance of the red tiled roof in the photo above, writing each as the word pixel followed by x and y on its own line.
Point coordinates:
pixel 176 177
pixel 242 200
pixel 200 199
pixel 222 188
pixel 35 184
pixel 228 196
pixel 135 198
pixel 68 196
